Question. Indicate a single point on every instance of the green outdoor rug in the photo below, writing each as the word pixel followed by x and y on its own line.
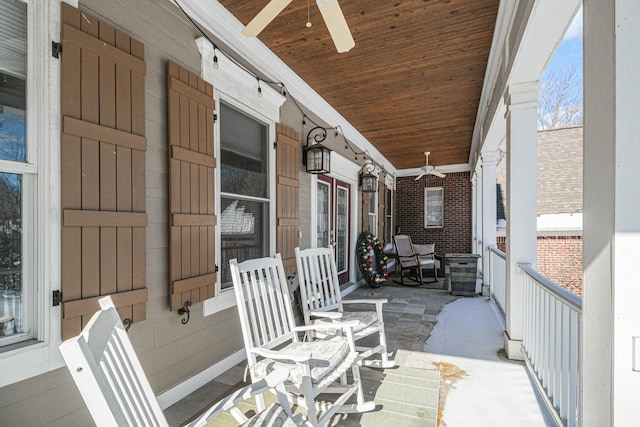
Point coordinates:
pixel 404 397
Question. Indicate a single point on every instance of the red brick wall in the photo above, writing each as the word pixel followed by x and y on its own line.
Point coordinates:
pixel 559 260
pixel 455 236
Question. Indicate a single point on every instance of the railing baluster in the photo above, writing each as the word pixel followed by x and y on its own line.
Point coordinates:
pixel 551 340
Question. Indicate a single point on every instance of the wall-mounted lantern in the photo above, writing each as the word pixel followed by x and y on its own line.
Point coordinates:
pixel 316 157
pixel 368 181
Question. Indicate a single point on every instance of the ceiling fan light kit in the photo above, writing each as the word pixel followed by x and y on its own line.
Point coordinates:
pixel 331 14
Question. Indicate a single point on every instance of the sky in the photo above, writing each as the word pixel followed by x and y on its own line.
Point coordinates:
pixel 570 49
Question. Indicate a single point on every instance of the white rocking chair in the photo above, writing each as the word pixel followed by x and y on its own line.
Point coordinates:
pixel 108 374
pixel 267 321
pixel 322 303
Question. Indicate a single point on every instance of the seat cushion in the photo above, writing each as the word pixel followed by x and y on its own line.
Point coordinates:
pixel 326 354
pixel 364 318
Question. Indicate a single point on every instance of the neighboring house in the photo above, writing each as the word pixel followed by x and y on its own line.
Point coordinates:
pixel 559 200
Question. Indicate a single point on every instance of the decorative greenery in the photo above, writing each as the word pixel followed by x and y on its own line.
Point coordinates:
pixel 374 275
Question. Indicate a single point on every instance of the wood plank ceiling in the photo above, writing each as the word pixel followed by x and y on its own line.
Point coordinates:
pixel 413 81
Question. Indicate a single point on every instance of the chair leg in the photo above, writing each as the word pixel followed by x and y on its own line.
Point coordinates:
pixel 312 414
pixel 386 363
pixel 361 405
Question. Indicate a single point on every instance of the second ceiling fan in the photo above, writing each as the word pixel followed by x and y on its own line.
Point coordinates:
pixel 331 13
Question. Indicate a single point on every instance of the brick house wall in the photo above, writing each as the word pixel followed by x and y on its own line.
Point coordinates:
pixel 455 235
pixel 559 259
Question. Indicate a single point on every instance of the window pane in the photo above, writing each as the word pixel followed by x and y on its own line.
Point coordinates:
pixel 11 320
pixel 322 215
pixel 242 154
pixel 13 73
pixel 243 233
pixel 342 228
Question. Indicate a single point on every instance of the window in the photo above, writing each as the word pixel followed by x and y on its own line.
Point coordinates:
pixel 244 186
pixel 17 177
pixel 433 207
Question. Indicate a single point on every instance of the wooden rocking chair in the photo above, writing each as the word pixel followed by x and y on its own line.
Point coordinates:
pixel 322 303
pixel 410 258
pixel 108 374
pixel 267 321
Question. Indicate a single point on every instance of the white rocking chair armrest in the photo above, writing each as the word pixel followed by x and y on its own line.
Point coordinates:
pixel 365 301
pixel 334 315
pixel 297 356
pixel 347 326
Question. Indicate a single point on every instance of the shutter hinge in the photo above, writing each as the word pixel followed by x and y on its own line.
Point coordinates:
pixel 57 298
pixel 56 49
pixel 215 117
pixel 275 145
pixel 217 269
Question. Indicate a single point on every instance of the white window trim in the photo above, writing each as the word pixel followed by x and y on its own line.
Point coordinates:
pixel 425 207
pixel 43 204
pixel 235 87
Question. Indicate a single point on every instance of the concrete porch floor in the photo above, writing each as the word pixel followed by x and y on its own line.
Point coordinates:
pixel 427 328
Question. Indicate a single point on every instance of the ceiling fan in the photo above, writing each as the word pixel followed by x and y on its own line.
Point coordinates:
pixel 427 169
pixel 331 13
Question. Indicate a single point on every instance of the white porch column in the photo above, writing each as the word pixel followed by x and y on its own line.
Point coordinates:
pixel 611 237
pixel 489 162
pixel 474 212
pixel 480 221
pixel 522 109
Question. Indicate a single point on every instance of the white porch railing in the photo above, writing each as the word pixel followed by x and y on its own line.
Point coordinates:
pixel 497 276
pixel 551 344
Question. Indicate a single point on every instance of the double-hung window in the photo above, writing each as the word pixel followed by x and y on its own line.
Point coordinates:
pixel 244 189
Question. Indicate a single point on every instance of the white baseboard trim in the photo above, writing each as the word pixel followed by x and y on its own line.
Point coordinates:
pixel 188 386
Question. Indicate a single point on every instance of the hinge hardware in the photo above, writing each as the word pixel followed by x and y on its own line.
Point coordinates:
pixel 56 49
pixel 57 298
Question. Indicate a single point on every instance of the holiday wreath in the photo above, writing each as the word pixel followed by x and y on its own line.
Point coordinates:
pixel 374 275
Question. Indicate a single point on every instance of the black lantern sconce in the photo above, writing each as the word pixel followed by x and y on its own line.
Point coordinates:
pixel 368 181
pixel 317 157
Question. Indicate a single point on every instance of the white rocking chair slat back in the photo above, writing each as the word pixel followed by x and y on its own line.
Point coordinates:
pixel 266 306
pixel 317 271
pixel 104 365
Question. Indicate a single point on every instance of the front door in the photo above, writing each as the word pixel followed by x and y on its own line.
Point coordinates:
pixel 332 219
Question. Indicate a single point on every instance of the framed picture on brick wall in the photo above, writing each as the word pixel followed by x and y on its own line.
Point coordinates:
pixel 433 207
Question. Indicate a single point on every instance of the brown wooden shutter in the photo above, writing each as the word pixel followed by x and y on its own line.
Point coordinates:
pixel 288 162
pixel 192 219
pixel 382 212
pixel 103 190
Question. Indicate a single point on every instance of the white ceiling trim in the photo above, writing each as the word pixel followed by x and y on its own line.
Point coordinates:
pixel 224 26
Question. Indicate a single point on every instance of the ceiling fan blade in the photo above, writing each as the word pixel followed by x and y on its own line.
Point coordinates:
pixel 264 17
pixel 337 24
pixel 420 175
pixel 438 174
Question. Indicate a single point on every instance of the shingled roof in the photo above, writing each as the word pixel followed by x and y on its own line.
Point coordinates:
pixel 559 173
